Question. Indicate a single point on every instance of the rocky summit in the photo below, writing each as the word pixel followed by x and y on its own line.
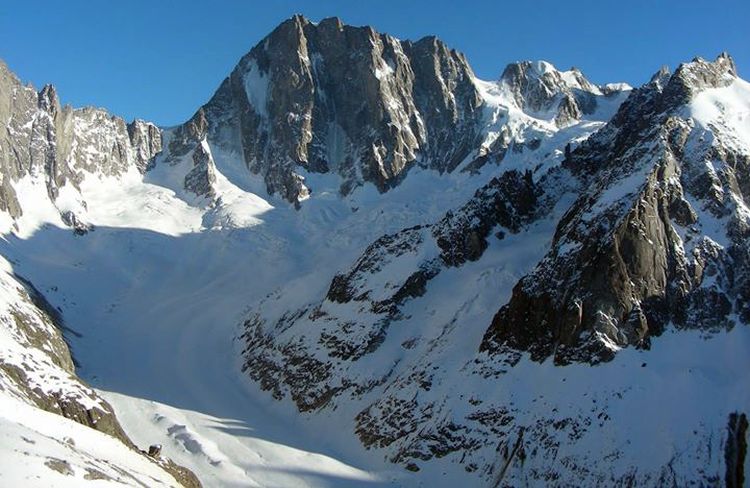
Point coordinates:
pixel 332 98
pixel 533 280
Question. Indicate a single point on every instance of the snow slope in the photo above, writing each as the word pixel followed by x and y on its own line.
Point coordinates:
pixel 41 449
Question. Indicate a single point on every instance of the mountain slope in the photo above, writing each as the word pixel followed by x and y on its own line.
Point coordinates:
pixel 37 376
pixel 395 341
pixel 653 238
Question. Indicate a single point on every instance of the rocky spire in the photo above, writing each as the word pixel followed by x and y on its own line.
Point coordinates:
pixel 40 138
pixel 693 77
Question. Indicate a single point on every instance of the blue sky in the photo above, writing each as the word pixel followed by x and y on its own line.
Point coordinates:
pixel 160 60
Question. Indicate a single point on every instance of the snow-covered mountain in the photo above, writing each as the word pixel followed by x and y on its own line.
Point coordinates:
pixel 357 257
pixel 329 98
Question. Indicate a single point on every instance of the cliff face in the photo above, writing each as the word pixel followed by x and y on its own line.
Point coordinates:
pixel 332 98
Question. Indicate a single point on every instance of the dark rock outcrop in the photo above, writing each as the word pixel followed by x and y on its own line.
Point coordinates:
pixel 735 450
pixel 201 178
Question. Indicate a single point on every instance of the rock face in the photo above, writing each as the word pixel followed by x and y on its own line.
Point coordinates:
pixel 40 139
pixel 736 449
pixel 331 98
pixel 632 255
pixel 201 178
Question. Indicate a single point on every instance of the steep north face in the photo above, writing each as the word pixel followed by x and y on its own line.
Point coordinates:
pixel 329 97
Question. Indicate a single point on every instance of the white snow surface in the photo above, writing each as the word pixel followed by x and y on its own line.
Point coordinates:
pixel 256 88
pixel 40 449
pixel 726 109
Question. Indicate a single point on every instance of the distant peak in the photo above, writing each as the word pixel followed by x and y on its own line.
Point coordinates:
pixel 523 74
pixel 727 62
pixel 294 23
pixel 543 67
pixel 527 69
pixel 298 19
pixel 723 65
pixel 698 75
pixel 661 77
pixel 48 100
pixel 537 68
pixel 431 39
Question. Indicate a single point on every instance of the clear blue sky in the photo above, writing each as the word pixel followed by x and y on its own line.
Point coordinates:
pixel 160 60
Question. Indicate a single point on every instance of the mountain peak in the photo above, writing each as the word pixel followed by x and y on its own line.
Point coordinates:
pixel 698 75
pixel 708 74
pixel 334 22
pixel 544 73
pixel 48 100
pixel 661 77
pixel 297 20
pixel 431 40
pixel 538 87
pixel 331 98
